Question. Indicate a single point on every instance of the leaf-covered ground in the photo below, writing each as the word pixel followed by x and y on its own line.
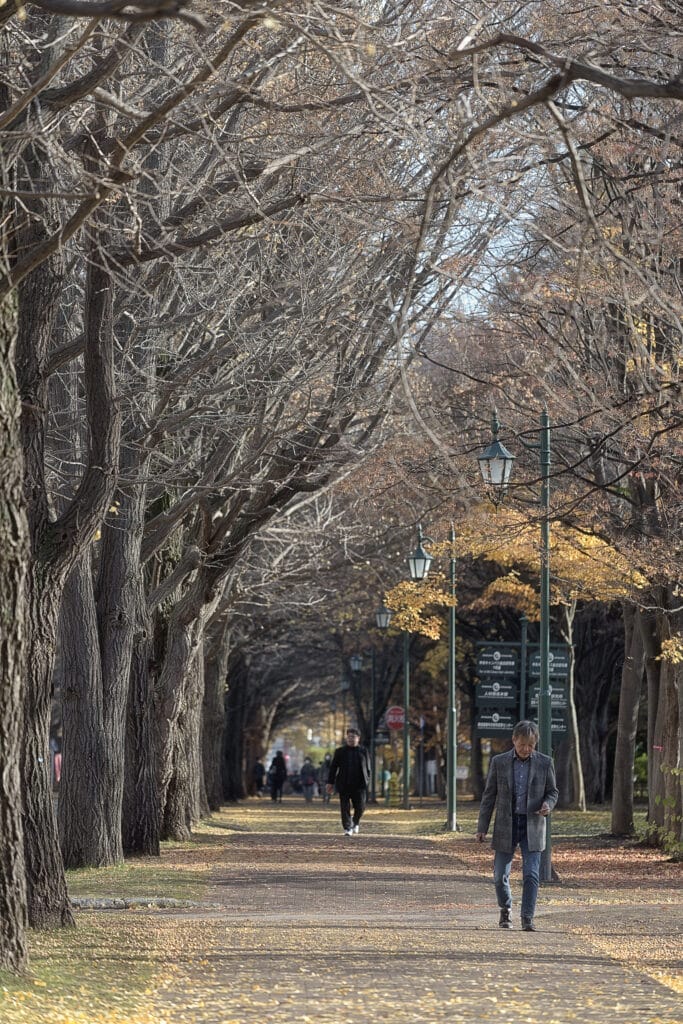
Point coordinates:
pixel 287 920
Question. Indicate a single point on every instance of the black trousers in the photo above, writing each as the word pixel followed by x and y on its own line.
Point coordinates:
pixel 357 797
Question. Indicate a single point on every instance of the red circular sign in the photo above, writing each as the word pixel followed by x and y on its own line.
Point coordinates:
pixel 394 717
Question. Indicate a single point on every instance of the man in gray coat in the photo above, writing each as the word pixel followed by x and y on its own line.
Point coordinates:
pixel 521 785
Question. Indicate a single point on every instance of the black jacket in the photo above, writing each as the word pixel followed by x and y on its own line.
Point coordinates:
pixel 349 769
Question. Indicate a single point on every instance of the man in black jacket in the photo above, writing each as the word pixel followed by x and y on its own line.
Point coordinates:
pixel 350 772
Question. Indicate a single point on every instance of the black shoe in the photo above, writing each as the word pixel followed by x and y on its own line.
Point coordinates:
pixel 528 924
pixel 505 920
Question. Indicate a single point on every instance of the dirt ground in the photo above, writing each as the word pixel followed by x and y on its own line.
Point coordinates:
pixel 270 915
pixel 307 924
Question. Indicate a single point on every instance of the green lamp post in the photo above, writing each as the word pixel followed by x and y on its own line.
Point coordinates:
pixel 496 466
pixel 418 564
pixel 382 619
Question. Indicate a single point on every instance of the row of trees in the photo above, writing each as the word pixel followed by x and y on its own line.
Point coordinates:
pixel 238 242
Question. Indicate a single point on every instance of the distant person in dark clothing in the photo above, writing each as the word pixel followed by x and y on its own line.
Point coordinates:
pixel 258 775
pixel 308 779
pixel 277 775
pixel 350 773
pixel 323 772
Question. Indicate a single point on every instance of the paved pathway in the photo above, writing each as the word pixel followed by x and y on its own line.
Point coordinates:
pixel 328 929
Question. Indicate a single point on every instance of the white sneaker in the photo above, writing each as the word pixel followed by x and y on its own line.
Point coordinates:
pixel 356 829
pixel 348 831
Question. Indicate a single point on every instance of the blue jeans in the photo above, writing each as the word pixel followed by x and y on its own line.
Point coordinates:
pixel 531 863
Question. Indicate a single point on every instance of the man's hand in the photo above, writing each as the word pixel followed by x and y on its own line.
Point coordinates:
pixel 544 810
pixel 480 837
pixel 329 787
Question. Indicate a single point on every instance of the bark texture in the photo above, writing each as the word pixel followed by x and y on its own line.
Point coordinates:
pixel 13 560
pixel 627 726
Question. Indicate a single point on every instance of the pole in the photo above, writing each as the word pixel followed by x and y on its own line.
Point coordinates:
pixel 452 739
pixel 373 796
pixel 406 720
pixel 422 757
pixel 544 693
pixel 524 622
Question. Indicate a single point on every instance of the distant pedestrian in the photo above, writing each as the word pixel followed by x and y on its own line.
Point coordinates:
pixel 258 775
pixel 323 773
pixel 350 772
pixel 386 779
pixel 308 779
pixel 521 785
pixel 277 774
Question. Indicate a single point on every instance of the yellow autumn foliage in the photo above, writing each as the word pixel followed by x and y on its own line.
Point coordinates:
pixel 582 566
pixel 410 602
pixel 672 650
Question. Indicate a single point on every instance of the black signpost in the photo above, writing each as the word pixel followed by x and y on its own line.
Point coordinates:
pixel 501 694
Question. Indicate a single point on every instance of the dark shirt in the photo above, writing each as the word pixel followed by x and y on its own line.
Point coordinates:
pixel 349 769
pixel 520 774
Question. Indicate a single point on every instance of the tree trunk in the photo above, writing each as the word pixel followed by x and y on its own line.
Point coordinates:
pixel 668 737
pixel 215 672
pixel 563 771
pixel 141 813
pixel 13 561
pixel 48 900
pixel 175 690
pixel 599 651
pixel 56 544
pixel 192 723
pixel 578 786
pixel 235 722
pixel 38 298
pixel 89 812
pixel 182 807
pixel 653 671
pixel 629 704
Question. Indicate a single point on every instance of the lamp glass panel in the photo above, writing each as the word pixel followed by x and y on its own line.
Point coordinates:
pixel 383 617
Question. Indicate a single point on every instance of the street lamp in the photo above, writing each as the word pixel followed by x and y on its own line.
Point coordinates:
pixel 382 618
pixel 496 466
pixel 345 687
pixel 451 736
pixel 419 565
pixel 496 463
pixel 356 662
pixel 420 561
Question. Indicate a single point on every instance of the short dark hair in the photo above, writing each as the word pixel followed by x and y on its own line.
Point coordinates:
pixel 356 732
pixel 525 728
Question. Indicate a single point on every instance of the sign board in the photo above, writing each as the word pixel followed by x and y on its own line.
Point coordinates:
pixel 495 660
pixel 394 717
pixel 381 738
pixel 494 722
pixel 559 700
pixel 558 662
pixel 558 724
pixel 496 691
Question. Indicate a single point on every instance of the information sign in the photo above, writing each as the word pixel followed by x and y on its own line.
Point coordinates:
pixel 559 700
pixel 496 691
pixel 558 662
pixel 496 661
pixel 558 724
pixel 494 722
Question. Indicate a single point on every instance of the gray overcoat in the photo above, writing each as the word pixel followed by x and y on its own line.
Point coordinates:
pixel 499 792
